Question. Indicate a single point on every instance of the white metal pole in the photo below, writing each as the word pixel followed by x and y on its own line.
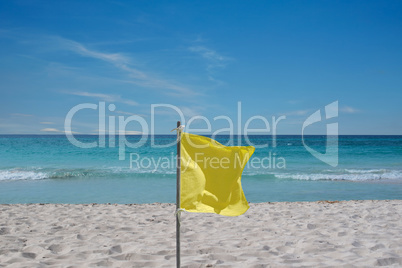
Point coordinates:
pixel 178 197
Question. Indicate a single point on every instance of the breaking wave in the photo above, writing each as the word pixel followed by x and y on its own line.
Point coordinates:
pixel 346 175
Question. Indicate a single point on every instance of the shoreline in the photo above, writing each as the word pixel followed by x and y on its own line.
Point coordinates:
pixel 271 234
pixel 174 204
pixel 169 203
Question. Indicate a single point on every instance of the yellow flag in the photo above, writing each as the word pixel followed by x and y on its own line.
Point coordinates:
pixel 211 176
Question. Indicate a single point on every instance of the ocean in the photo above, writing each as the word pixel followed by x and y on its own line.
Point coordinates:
pixel 50 169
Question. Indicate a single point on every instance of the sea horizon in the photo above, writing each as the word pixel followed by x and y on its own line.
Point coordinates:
pixel 49 169
pixel 202 134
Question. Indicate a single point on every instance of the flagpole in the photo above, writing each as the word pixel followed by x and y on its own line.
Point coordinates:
pixel 178 197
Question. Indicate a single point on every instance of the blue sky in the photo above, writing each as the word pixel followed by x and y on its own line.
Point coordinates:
pixel 278 58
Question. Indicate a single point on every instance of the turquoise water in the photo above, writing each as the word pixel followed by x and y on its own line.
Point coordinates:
pixel 49 169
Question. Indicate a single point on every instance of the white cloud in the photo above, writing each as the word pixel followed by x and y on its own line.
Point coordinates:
pixel 123 63
pixel 82 50
pixel 349 110
pixel 213 61
pixel 55 130
pixel 130 132
pixel 207 53
pixel 213 58
pixel 51 130
pixel 104 97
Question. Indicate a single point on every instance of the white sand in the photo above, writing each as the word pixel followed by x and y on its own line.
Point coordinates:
pixel 309 234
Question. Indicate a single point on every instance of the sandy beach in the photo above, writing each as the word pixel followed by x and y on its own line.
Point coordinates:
pixel 297 234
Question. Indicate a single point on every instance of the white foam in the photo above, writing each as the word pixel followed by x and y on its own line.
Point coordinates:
pixel 364 175
pixel 363 171
pixel 153 170
pixel 6 175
